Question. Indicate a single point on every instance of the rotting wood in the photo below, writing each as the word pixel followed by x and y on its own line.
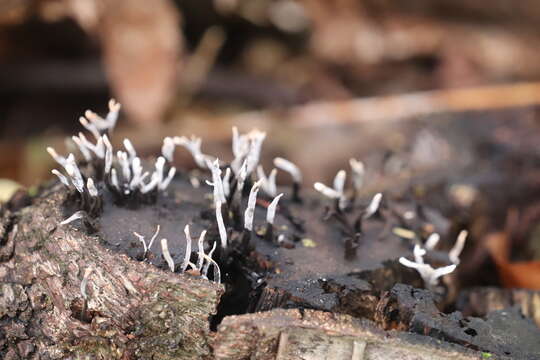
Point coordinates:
pixel 134 310
pixel 294 334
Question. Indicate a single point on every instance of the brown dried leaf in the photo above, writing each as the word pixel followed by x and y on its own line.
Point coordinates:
pixel 142 45
pixel 522 274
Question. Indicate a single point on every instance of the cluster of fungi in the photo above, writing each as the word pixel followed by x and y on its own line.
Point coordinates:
pixel 129 181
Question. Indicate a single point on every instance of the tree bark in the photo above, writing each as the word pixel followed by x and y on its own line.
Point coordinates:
pixel 134 310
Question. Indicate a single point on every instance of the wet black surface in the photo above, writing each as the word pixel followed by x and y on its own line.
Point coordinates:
pixel 505 332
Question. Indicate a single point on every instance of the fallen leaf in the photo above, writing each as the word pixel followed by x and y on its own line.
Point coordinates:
pixel 142 46
pixel 522 274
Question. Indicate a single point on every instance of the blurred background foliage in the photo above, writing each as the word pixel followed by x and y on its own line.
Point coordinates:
pixel 200 66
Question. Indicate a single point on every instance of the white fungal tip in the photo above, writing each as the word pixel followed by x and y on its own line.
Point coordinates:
pixel 167 150
pixel 92 190
pixel 271 212
pixel 432 241
pixel 373 206
pixel 289 167
pixel 78 215
pixel 339 181
pixel 61 177
pixel 326 191
pixel 250 209
pixel 358 172
pixel 114 106
pixel 458 247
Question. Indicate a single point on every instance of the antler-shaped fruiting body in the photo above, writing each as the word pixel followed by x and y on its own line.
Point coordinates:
pixel 426 271
pixel 193 145
pixel 99 126
pixel 142 240
pixel 337 192
pixel 88 193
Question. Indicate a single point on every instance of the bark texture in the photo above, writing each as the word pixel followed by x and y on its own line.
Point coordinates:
pixel 134 310
pixel 294 334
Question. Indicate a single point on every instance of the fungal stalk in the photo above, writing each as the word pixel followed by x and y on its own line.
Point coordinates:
pixel 76 216
pixel 193 145
pixel 207 263
pixel 200 246
pixel 432 241
pixel 373 206
pixel 240 149
pixel 166 254
pixel 217 271
pixel 256 139
pixel 270 217
pixel 88 193
pixel 336 193
pixel 221 226
pixel 187 254
pixel 358 174
pixel 268 184
pixel 250 209
pixel 217 182
pixel 295 173
pixel 167 150
pixel 241 180
pixel 98 125
pixel 458 247
pixel 142 240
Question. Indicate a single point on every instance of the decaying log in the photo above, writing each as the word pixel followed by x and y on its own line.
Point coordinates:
pixel 134 310
pixel 294 334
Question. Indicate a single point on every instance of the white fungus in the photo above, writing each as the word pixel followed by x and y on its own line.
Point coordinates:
pixel 187 253
pixel 217 183
pixel 167 150
pixel 78 215
pixel 250 209
pixel 289 167
pixel 61 177
pixel 458 247
pixel 268 184
pixel 193 145
pixel 130 149
pixel 373 206
pixel 426 271
pixel 432 241
pixel 358 173
pixel 221 225
pixel 167 254
pixel 91 187
pixel 271 212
